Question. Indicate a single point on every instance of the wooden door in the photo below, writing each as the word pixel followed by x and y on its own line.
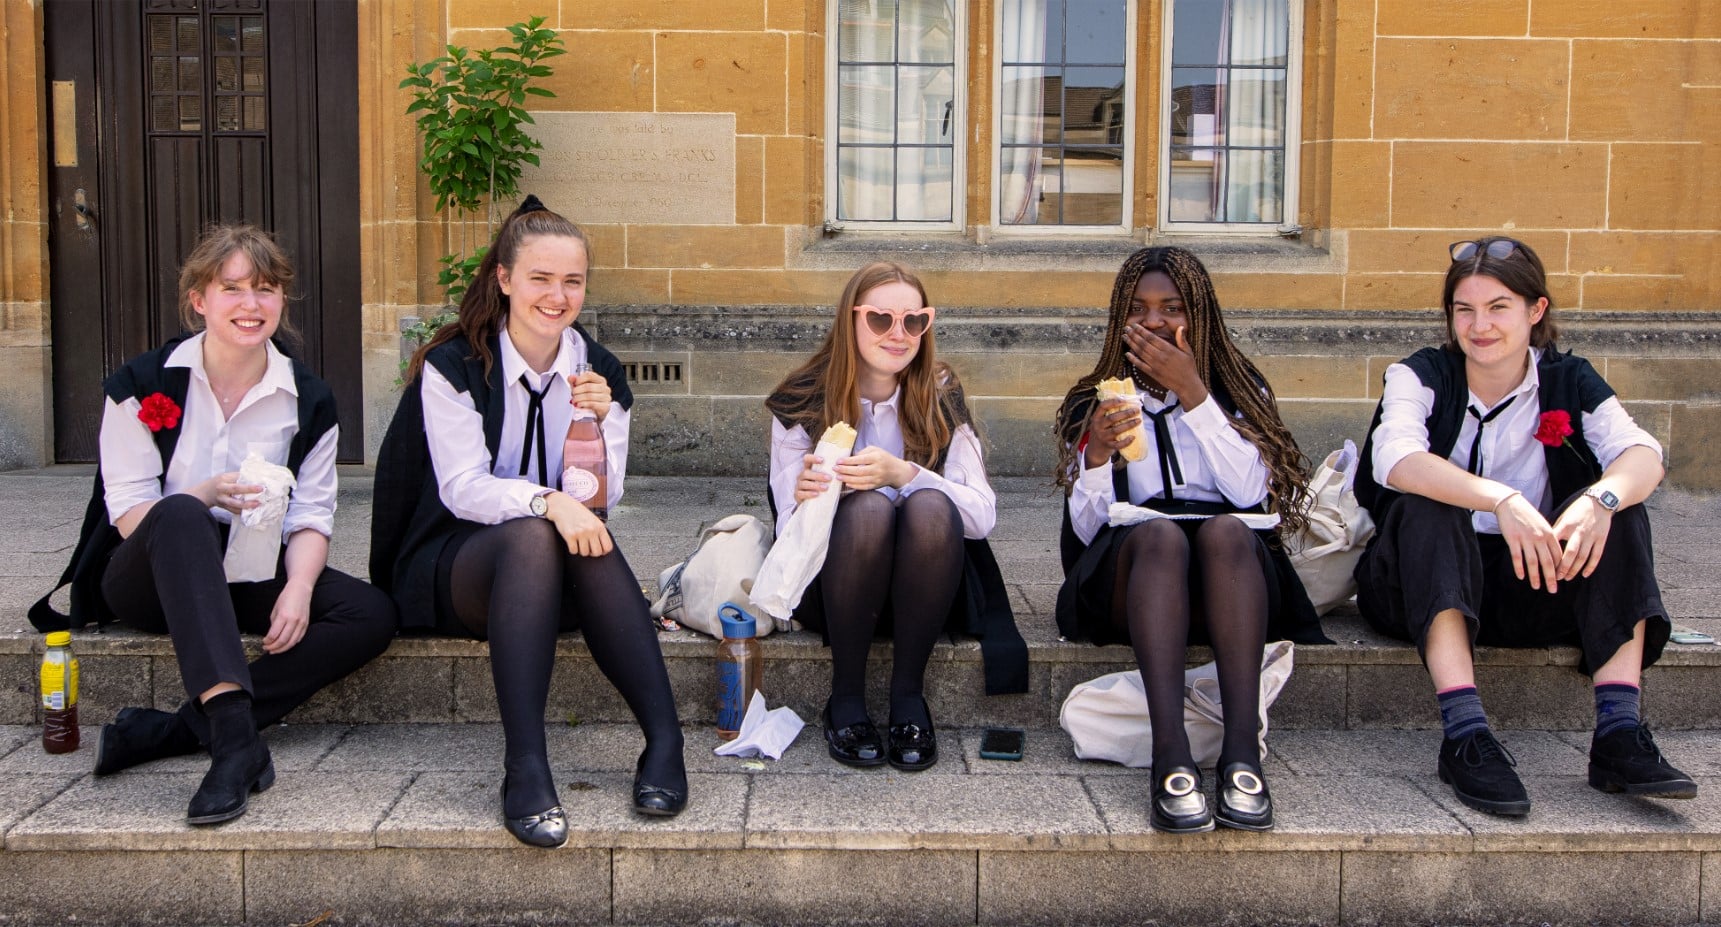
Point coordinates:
pixel 165 116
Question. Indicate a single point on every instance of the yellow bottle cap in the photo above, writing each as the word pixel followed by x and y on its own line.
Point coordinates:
pixel 59 639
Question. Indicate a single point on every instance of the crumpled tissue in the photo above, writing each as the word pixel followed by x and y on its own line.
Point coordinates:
pixel 764 733
pixel 254 543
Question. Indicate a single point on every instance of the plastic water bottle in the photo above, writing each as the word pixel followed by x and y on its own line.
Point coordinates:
pixel 59 694
pixel 585 468
pixel 739 669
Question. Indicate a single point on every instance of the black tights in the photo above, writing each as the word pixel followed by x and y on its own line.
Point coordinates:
pixel 1152 602
pixel 909 555
pixel 516 585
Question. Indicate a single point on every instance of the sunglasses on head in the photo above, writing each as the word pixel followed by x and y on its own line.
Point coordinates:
pixel 914 322
pixel 1499 249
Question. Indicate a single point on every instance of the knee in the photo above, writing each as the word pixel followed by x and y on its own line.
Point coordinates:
pixel 527 539
pixel 868 512
pixel 181 512
pixel 1225 536
pixel 931 508
pixel 1159 539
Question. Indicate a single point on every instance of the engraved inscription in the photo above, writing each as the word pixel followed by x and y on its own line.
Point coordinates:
pixel 636 168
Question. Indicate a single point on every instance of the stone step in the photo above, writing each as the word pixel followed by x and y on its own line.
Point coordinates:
pixel 1362 682
pixel 398 824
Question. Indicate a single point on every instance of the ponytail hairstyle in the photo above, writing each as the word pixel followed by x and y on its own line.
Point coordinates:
pixel 826 389
pixel 485 306
pixel 1223 369
pixel 218 243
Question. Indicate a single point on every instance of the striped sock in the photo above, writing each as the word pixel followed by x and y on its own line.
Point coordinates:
pixel 1461 712
pixel 1617 706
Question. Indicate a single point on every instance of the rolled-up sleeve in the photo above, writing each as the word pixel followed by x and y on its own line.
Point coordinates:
pixel 964 481
pixel 130 462
pixel 454 429
pixel 1238 470
pixel 1405 405
pixel 1610 431
pixel 312 505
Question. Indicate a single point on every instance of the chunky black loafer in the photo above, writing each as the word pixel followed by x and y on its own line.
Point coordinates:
pixel 1179 806
pixel 1244 802
pixel 854 745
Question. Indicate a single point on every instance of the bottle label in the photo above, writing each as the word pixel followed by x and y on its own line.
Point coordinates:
pixel 581 484
pixel 730 708
pixel 59 684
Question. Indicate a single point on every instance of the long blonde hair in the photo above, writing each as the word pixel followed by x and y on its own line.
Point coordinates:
pixel 826 389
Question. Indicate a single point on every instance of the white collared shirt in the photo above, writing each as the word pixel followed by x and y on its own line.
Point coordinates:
pixel 475 487
pixel 1510 452
pixel 1219 464
pixel 266 420
pixel 963 478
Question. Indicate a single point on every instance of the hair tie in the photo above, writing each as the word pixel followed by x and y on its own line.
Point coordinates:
pixel 531 204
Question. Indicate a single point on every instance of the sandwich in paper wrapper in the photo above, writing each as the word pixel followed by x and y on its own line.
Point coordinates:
pixel 254 543
pixel 1106 390
pixel 799 552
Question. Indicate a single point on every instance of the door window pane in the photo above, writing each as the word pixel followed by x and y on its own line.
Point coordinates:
pixel 1229 90
pixel 1063 73
pixel 896 110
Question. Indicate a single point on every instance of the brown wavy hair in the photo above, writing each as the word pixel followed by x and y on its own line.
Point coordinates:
pixel 1222 367
pixel 484 306
pixel 826 389
pixel 1521 272
pixel 269 264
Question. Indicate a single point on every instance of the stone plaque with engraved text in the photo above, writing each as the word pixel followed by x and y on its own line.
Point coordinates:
pixel 636 168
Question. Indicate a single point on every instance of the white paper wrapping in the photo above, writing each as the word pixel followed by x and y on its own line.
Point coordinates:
pixel 1122 513
pixel 254 544
pixel 799 552
pixel 764 733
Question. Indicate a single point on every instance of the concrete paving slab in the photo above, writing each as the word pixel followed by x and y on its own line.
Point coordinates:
pixel 21 794
pixel 1050 752
pixel 394 747
pixel 1696 753
pixel 888 810
pixel 15 736
pixel 293 747
pixel 92 888
pixel 146 811
pixel 1412 754
pixel 464 811
pixel 1567 814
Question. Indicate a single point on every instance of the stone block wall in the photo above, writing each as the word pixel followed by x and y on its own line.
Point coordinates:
pixel 25 413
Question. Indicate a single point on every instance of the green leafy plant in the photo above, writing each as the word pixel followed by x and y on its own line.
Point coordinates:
pixel 471 112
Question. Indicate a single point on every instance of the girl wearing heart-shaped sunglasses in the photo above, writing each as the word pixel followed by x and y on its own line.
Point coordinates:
pixel 908 534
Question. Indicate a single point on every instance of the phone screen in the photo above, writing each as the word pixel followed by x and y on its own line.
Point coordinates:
pixel 1001 742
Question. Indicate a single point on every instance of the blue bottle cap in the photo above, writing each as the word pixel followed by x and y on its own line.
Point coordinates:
pixel 737 623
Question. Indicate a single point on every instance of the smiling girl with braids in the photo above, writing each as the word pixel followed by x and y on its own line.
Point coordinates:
pixel 1217 453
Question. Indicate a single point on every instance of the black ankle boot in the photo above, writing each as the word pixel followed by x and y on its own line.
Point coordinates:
pixel 142 735
pixel 239 761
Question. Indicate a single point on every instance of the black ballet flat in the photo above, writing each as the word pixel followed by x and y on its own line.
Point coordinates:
pixel 654 800
pixel 547 828
pixel 854 745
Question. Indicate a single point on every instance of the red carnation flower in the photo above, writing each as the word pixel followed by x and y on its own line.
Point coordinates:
pixel 159 412
pixel 1554 428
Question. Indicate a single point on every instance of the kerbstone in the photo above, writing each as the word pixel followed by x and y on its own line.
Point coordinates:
pixel 292 747
pixel 90 888
pixel 388 689
pixel 412 887
pixel 1177 886
pixel 1413 754
pixel 795 887
pixel 1538 888
pixel 1567 814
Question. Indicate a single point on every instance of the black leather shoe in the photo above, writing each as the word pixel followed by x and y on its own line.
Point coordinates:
pixel 1628 760
pixel 548 828
pixel 1481 774
pixel 239 762
pixel 912 747
pixel 142 735
pixel 1244 802
pixel 855 745
pixel 655 800
pixel 1179 806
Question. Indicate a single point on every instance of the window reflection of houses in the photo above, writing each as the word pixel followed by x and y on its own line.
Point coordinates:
pixel 1081 172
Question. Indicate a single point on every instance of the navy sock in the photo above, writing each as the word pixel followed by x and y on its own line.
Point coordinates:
pixel 1461 712
pixel 1617 706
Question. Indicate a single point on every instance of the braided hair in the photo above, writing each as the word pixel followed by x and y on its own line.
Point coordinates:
pixel 1222 367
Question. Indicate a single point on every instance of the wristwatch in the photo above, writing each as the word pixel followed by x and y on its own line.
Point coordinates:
pixel 540 504
pixel 1605 499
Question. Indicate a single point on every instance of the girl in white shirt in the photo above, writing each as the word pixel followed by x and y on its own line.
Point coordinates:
pixel 1217 449
pixel 915 488
pixel 507 555
pixel 177 424
pixel 1507 483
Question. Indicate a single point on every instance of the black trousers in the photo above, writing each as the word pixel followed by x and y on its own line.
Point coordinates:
pixel 167 577
pixel 1426 557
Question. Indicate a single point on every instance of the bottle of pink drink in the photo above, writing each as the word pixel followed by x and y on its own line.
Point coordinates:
pixel 585 470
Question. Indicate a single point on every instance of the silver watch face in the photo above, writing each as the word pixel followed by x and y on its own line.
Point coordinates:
pixel 540 506
pixel 1607 499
